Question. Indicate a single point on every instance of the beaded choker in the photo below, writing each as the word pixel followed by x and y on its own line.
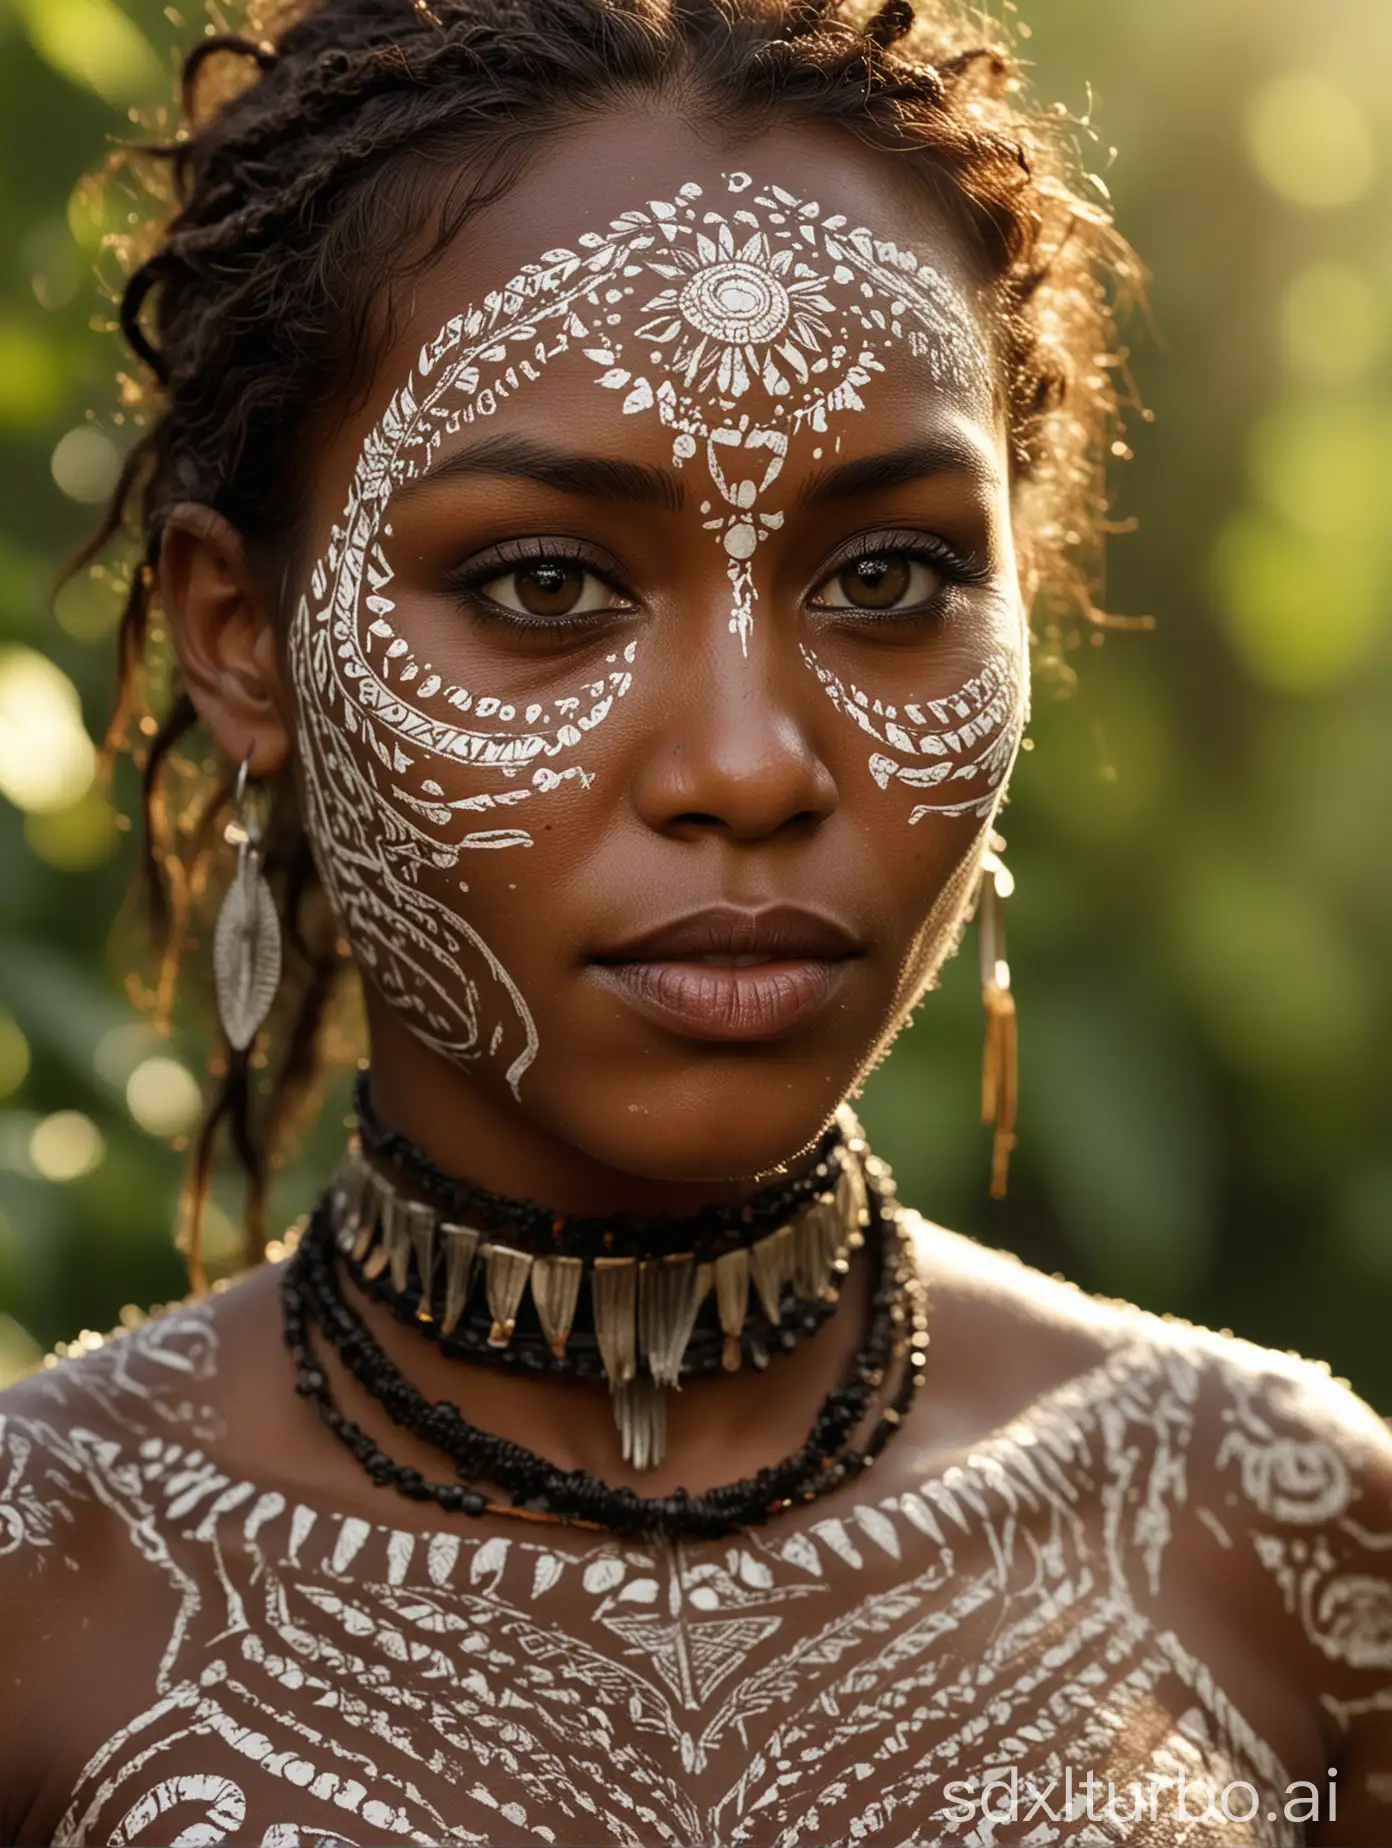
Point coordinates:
pixel 642 1302
pixel 527 1226
pixel 892 1357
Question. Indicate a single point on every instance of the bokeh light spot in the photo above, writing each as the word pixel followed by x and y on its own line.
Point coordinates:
pixel 1310 141
pixel 163 1097
pixel 19 1351
pixel 86 464
pixel 53 263
pixel 31 379
pixel 1324 465
pixel 87 608
pixel 93 214
pixel 14 1055
pixel 1301 614
pixel 94 44
pixel 121 1049
pixel 66 1146
pixel 77 838
pixel 1333 324
pixel 47 761
pixel 224 1246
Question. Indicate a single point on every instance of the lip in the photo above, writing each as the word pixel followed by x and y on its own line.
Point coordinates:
pixel 791 962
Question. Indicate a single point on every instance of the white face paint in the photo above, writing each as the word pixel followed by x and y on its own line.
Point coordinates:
pixel 965 743
pixel 737 328
pixel 774 304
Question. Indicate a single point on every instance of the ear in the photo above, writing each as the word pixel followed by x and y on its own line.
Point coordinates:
pixel 225 637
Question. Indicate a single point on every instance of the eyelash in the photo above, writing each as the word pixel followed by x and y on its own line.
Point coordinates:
pixel 958 568
pixel 515 555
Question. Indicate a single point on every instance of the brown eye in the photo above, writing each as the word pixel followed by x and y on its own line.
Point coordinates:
pixel 880 581
pixel 550 587
pixel 874 583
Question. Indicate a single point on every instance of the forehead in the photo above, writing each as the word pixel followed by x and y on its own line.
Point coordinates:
pixel 762 278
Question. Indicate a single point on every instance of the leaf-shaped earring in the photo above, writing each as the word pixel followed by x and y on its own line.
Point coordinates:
pixel 246 945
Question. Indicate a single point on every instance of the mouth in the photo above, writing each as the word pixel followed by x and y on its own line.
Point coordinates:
pixel 734 975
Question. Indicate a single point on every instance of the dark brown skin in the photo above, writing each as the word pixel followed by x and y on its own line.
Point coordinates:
pixel 719 778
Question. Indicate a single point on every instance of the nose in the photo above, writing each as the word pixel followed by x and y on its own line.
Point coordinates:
pixel 737 756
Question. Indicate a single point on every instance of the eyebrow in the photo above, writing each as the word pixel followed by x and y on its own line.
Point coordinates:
pixel 595 477
pixel 942 455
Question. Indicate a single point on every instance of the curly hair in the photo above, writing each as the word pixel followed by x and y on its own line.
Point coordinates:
pixel 330 127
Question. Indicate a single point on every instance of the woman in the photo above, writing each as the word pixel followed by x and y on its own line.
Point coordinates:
pixel 603 458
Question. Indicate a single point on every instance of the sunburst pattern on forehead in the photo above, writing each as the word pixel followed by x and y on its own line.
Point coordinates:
pixel 775 317
pixel 736 326
pixel 738 310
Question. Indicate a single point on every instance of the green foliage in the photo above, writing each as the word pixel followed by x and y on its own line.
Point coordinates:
pixel 1200 940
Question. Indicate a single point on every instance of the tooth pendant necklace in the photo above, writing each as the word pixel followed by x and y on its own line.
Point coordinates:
pixel 643 1302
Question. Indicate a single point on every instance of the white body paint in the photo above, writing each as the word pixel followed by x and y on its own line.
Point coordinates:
pixel 329 1679
pixel 737 329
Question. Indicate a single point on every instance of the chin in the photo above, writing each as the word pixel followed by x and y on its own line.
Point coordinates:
pixel 712 1127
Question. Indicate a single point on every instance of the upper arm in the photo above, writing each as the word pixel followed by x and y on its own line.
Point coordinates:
pixel 1305 1471
pixel 41 1511
pixel 88 1600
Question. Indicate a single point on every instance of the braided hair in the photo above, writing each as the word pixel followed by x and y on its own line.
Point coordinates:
pixel 330 127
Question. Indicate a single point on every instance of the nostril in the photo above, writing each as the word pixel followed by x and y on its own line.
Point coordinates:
pixel 799 823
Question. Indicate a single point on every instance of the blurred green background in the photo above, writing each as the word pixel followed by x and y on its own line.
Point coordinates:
pixel 1201 833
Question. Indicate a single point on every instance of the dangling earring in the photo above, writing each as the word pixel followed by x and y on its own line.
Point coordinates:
pixel 1000 1064
pixel 246 945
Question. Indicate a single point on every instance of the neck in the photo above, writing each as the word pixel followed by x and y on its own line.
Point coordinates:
pixel 719 1428
pixel 475 1133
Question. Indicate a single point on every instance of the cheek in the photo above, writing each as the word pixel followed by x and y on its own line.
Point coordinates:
pixel 928 744
pixel 940 736
pixel 425 799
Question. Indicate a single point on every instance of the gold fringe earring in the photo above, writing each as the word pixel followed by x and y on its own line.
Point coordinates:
pixel 1000 1063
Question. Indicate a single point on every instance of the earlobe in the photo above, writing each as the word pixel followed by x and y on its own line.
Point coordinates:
pixel 225 637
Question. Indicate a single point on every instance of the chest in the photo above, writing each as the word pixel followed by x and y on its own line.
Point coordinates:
pixel 966 1662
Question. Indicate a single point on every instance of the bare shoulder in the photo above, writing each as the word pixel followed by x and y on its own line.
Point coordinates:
pixel 1247 1402
pixel 86 1583
pixel 1276 1451
pixel 1003 1336
pixel 1289 1476
pixel 1258 1487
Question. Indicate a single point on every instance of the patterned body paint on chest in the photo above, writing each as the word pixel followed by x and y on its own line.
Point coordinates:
pixel 847 1673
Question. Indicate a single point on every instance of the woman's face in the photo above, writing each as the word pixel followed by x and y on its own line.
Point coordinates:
pixel 664 659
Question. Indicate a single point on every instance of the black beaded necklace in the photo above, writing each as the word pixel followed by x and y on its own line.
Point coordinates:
pixel 895 1342
pixel 708 1233
pixel 643 1302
